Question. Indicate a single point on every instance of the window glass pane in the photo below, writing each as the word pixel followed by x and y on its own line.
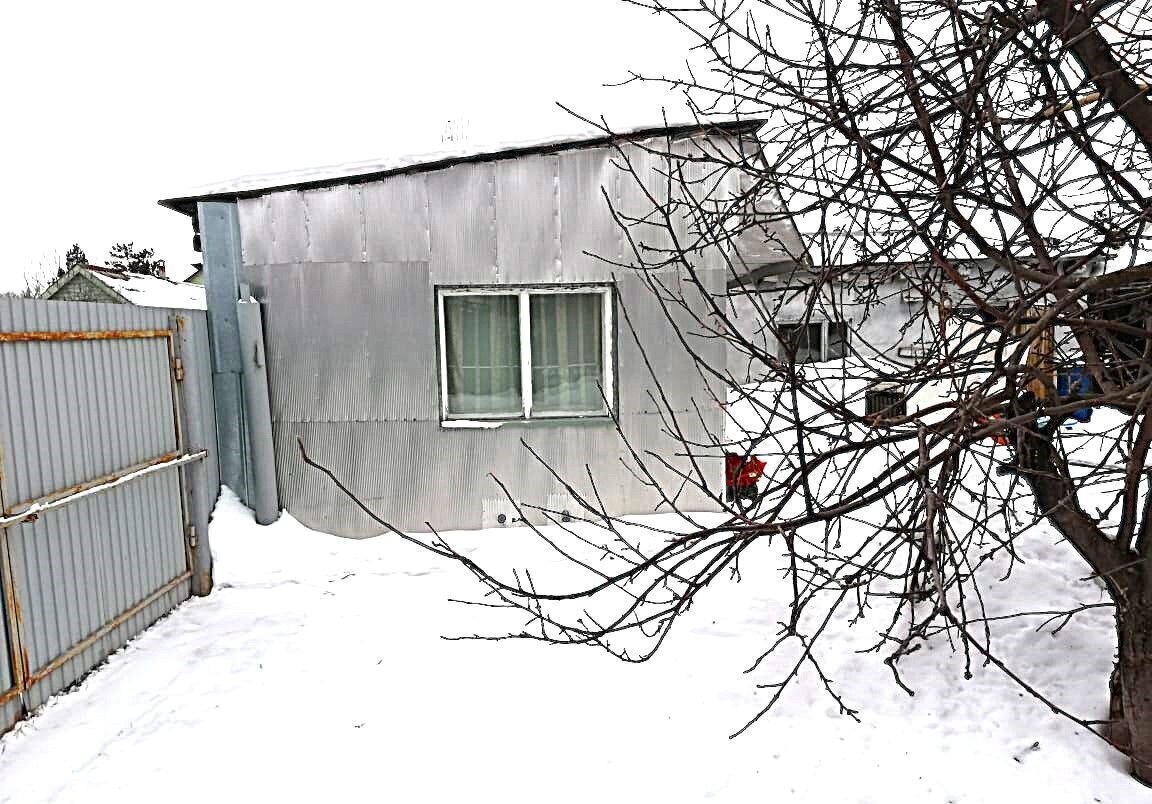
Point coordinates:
pixel 567 353
pixel 837 340
pixel 805 338
pixel 482 351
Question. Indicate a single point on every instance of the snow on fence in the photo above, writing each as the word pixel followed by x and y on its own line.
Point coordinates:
pixel 107 478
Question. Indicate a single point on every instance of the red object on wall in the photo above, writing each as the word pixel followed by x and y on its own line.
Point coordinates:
pixel 742 471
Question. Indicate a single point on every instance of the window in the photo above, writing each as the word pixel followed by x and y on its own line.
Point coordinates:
pixel 814 342
pixel 520 353
pixel 885 401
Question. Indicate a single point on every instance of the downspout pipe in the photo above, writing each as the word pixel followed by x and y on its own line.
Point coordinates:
pixel 261 452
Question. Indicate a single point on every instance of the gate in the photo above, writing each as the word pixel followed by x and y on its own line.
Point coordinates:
pixel 104 486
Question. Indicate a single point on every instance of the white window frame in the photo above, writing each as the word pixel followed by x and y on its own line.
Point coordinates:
pixel 824 324
pixel 524 294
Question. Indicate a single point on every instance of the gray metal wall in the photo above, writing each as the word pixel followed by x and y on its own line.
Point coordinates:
pixel 347 279
pixel 89 395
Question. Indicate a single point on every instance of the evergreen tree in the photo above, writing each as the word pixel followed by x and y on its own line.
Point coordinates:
pixel 125 257
pixel 74 257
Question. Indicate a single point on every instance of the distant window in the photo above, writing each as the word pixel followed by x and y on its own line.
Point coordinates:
pixel 509 353
pixel 836 340
pixel 885 401
pixel 815 341
pixel 914 351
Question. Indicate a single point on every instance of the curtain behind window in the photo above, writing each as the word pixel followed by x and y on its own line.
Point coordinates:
pixel 482 349
pixel 567 353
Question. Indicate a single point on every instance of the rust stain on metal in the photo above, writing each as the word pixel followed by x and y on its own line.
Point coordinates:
pixel 12 617
pixel 93 335
pixel 3 506
pixel 68 491
pixel 111 625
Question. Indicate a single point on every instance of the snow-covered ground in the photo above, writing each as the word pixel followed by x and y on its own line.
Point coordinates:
pixel 316 672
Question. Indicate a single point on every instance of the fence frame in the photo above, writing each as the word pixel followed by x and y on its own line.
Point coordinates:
pixel 186 344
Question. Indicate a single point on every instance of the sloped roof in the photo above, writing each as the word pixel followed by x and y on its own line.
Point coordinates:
pixel 354 172
pixel 137 289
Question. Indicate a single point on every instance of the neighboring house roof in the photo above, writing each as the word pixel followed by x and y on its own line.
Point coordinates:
pixel 128 288
pixel 350 173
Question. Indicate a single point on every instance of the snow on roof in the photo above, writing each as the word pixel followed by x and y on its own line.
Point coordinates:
pixel 589 136
pixel 151 291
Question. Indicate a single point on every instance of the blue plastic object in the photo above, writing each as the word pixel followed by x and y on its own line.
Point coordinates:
pixel 1075 382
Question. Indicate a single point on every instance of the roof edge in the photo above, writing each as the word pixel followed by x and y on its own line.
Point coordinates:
pixel 74 271
pixel 187 204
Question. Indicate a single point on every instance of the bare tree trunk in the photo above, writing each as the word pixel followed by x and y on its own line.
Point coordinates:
pixel 1135 676
pixel 1116 732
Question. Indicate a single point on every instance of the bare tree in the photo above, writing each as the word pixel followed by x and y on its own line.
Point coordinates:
pixel 39 278
pixel 972 164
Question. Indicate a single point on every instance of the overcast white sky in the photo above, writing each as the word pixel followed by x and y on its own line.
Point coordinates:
pixel 110 106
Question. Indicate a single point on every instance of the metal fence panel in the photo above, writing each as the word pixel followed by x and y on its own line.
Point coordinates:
pixel 75 411
pixel 98 441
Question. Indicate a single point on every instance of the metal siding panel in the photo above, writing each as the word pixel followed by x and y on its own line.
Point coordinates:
pixel 335 219
pixel 462 223
pixel 279 228
pixel 528 220
pixel 288 223
pixel 373 361
pixel 648 432
pixel 255 216
pixel 638 200
pixel 648 347
pixel 396 225
pixel 707 198
pixel 589 234
pixel 389 465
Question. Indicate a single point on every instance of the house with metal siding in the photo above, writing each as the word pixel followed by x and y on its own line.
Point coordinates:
pixel 456 335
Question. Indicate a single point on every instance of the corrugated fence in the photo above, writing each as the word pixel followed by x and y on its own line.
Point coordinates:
pixel 107 479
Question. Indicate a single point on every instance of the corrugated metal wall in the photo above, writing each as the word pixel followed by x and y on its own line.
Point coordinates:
pixel 347 278
pixel 90 397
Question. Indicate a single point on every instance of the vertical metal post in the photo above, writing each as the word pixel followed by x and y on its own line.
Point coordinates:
pixel 194 476
pixel 220 243
pixel 10 609
pixel 261 454
pixel 202 476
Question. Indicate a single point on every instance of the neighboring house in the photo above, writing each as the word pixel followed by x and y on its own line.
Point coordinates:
pixel 424 317
pixel 880 316
pixel 93 283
